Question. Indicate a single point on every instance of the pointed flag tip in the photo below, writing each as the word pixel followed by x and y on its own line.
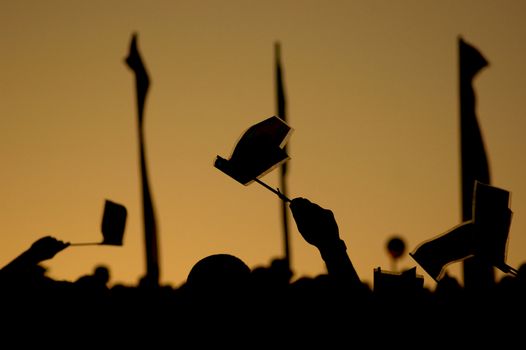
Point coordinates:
pixel 277 49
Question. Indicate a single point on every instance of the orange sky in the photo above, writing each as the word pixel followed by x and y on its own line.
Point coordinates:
pixel 372 90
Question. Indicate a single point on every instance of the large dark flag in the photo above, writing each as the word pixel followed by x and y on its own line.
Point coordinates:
pixel 282 113
pixel 142 81
pixel 474 162
pixel 258 151
pixel 484 237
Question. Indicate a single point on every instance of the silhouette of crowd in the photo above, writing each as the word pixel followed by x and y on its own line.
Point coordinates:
pixel 223 297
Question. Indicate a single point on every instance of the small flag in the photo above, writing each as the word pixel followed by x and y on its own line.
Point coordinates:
pixel 492 218
pixel 259 150
pixel 455 245
pixel 113 223
pixel 485 236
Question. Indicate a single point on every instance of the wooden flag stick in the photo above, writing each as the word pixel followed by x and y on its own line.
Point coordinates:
pixel 280 195
pixel 92 243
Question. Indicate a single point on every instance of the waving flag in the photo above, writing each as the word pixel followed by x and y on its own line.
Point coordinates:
pixel 492 219
pixel 112 225
pixel 484 237
pixel 258 151
pixel 455 245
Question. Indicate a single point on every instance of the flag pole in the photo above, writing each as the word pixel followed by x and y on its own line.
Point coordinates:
pixel 510 270
pixel 478 274
pixel 78 244
pixel 284 198
pixel 282 113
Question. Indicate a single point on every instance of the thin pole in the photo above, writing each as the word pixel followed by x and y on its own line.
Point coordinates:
pixel 282 113
pixel 277 192
pixel 92 243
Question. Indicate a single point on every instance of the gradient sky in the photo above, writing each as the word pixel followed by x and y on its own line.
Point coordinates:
pixel 372 91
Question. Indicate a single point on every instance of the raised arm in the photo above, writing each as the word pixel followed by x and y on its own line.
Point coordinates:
pixel 42 249
pixel 319 228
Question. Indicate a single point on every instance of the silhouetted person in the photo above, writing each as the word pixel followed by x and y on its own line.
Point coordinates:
pixel 42 249
pixel 275 276
pixel 217 267
pixel 322 305
pixel 218 276
pixel 27 294
pixel 215 297
pixel 319 228
pixel 224 292
pixel 97 282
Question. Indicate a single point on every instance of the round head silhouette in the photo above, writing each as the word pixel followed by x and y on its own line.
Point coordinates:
pixel 218 271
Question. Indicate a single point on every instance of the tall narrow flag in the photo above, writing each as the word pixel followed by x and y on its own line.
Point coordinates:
pixel 478 274
pixel 282 113
pixel 142 82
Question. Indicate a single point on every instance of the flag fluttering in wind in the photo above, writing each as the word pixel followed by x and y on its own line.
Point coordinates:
pixel 473 160
pixel 113 224
pixel 142 82
pixel 258 151
pixel 485 236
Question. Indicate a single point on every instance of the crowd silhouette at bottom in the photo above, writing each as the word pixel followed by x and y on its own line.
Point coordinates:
pixel 224 301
